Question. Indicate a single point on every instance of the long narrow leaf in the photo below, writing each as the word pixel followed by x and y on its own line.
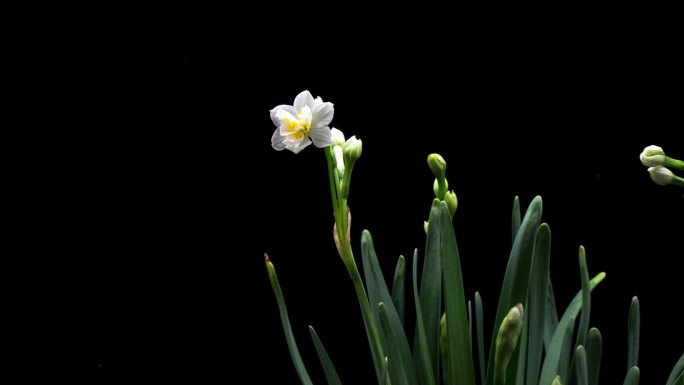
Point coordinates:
pixel 550 316
pixel 287 328
pixel 536 309
pixel 632 377
pixel 581 366
pixel 383 379
pixel 326 363
pixel 421 356
pixel 480 335
pixel 399 288
pixel 633 325
pixel 393 349
pixel 565 360
pixel 516 278
pixel 379 293
pixel 515 219
pixel 586 299
pixel 551 361
pixel 677 371
pixel 594 350
pixel 461 370
pixel 431 289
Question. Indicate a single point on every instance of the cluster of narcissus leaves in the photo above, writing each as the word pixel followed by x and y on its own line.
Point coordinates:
pixel 530 343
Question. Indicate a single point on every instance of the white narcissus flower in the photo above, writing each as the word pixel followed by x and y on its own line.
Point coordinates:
pixel 301 123
pixel 661 175
pixel 652 156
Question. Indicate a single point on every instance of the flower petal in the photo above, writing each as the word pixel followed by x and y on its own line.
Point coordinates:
pixel 322 114
pixel 303 99
pixel 337 136
pixel 274 111
pixel 322 137
pixel 277 140
pixel 298 145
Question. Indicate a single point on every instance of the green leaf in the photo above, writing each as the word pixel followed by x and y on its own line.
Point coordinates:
pixel 536 308
pixel 633 325
pixel 522 354
pixel 431 289
pixel 586 300
pixel 515 218
pixel 393 336
pixel 516 278
pixel 552 359
pixel 550 316
pixel 399 287
pixel 480 335
pixel 385 365
pixel 632 377
pixel 566 354
pixel 421 355
pixel 287 328
pixel 328 367
pixel 581 366
pixel 398 365
pixel 461 370
pixel 594 350
pixel 677 371
pixel 680 380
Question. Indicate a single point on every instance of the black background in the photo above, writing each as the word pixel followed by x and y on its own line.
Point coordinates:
pixel 154 191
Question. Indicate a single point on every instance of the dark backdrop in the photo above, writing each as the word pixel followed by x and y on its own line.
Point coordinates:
pixel 159 191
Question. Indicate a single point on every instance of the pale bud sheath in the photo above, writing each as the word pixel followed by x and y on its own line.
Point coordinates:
pixel 661 175
pixel 652 156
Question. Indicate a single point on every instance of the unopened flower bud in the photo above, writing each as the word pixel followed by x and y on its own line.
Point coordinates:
pixel 661 175
pixel 451 202
pixel 437 165
pixel 337 137
pixel 435 186
pixel 652 156
pixel 557 381
pixel 352 150
pixel 506 341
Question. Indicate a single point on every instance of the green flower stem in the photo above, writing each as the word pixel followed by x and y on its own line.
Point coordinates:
pixel 339 202
pixel 677 181
pixel 673 163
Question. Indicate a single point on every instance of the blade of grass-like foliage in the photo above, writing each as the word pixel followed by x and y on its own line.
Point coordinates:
pixel 400 360
pixel 523 342
pixel 287 328
pixel 586 299
pixel 421 356
pixel 399 288
pixel 431 290
pixel 515 218
pixel 581 366
pixel 461 370
pixel 680 381
pixel 397 364
pixel 516 278
pixel 552 359
pixel 536 308
pixel 550 316
pixel 328 367
pixel 383 379
pixel 632 377
pixel 470 324
pixel 565 359
pixel 677 371
pixel 633 325
pixel 594 350
pixel 480 335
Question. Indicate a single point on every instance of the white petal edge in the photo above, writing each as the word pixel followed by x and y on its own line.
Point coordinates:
pixel 303 99
pixel 276 121
pixel 277 140
pixel 321 136
pixel 322 114
pixel 298 145
pixel 337 136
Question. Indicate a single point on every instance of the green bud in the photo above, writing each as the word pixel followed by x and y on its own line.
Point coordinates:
pixel 437 165
pixel 352 150
pixel 506 341
pixel 557 381
pixel 451 202
pixel 425 226
pixel 435 186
